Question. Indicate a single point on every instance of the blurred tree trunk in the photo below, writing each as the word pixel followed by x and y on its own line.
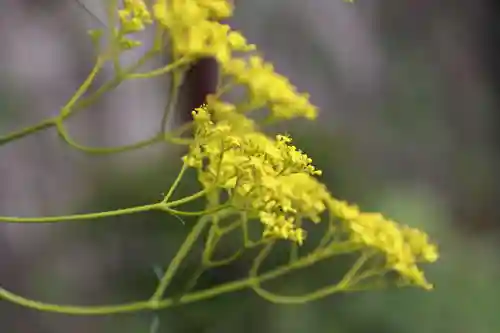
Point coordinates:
pixel 200 80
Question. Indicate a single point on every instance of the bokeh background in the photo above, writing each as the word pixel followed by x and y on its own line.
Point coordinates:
pixel 409 94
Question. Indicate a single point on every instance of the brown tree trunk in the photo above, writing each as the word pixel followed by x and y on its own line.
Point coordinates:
pixel 200 80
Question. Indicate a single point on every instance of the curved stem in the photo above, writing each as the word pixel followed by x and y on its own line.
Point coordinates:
pixel 70 309
pixel 214 236
pixel 148 305
pixel 78 105
pixel 210 244
pixel 171 137
pixel 343 285
pixel 107 150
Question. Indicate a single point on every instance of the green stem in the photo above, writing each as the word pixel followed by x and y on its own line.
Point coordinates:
pixel 117 212
pixel 72 310
pixel 170 137
pixel 159 71
pixel 66 110
pixel 175 138
pixel 343 285
pixel 176 183
pixel 175 83
pixel 184 200
pixel 82 104
pixel 348 278
pixel 214 236
pixel 173 97
pixel 75 217
pixel 179 257
pixel 106 150
pixel 108 86
pixel 44 124
pixel 199 213
pixel 192 281
pixel 294 250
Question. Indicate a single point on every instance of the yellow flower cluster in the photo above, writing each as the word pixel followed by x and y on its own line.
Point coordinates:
pixel 267 177
pixel 402 246
pixel 133 18
pixel 267 88
pixel 194 30
pixel 272 180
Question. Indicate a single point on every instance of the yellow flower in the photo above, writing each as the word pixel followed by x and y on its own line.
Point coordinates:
pixel 194 30
pixel 129 43
pixel 218 9
pixel 134 16
pixel 267 177
pixel 207 38
pixel 268 88
pixel 178 12
pixel 402 246
pixel 190 11
pixel 282 227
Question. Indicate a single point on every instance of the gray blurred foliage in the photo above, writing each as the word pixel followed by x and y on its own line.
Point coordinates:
pixel 405 129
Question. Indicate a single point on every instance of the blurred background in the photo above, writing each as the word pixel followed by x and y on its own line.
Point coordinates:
pixel 409 94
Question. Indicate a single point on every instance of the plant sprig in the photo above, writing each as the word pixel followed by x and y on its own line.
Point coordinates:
pixel 266 181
